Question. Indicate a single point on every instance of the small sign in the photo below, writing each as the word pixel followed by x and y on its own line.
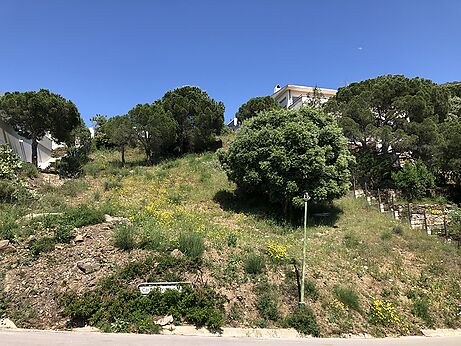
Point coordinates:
pixel 146 287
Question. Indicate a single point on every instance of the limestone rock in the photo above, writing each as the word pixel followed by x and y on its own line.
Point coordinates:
pixel 6 323
pixel 88 266
pixel 164 320
pixel 79 238
pixel 115 219
pixel 176 253
pixel 6 247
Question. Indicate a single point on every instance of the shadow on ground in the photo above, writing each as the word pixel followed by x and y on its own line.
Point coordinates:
pixel 258 206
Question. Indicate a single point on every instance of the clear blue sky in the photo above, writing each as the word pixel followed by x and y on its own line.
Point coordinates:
pixel 107 56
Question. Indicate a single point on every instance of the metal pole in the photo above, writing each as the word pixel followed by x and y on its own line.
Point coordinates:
pixel 303 270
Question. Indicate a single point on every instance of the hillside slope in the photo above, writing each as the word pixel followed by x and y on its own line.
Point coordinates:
pixel 365 272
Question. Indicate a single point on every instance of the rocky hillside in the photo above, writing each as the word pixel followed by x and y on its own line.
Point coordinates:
pixel 180 220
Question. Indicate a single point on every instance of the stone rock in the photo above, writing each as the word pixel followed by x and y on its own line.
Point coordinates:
pixel 88 266
pixel 164 320
pixel 6 323
pixel 176 253
pixel 78 238
pixel 6 247
pixel 31 238
pixel 115 219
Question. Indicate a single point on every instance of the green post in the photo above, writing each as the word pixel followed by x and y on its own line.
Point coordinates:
pixel 303 270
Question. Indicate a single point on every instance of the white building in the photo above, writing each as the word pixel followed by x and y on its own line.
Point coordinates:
pixel 294 96
pixel 23 146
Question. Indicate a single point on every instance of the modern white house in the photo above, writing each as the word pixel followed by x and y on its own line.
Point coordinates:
pixel 294 96
pixel 23 146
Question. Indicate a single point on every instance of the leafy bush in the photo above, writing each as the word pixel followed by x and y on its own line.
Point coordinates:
pixel 397 230
pixel 348 297
pixel 192 244
pixel 122 309
pixel 414 180
pixel 71 165
pixel 267 307
pixel 232 240
pixel 42 245
pixel 383 313
pixel 304 321
pixel 10 163
pixel 254 264
pixel 124 237
pixel 63 233
pixel 7 190
pixel 83 215
pixel 8 224
pixel 29 170
pixel 283 153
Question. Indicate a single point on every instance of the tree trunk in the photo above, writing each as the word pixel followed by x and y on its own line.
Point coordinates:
pixel 34 152
pixel 123 155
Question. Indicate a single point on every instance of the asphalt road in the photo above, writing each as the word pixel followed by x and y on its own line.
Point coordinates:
pixel 50 338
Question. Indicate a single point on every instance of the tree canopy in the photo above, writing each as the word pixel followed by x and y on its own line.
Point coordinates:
pixel 255 105
pixel 199 118
pixel 34 113
pixel 283 153
pixel 120 132
pixel 155 128
pixel 391 115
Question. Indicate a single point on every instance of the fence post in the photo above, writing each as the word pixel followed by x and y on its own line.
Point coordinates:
pixel 409 213
pixel 379 201
pixel 425 219
pixel 354 187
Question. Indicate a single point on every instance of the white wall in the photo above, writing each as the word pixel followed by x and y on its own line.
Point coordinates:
pixel 23 147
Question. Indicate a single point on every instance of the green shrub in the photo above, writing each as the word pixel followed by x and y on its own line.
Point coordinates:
pixel 112 184
pixel 191 244
pixel 7 190
pixel 152 239
pixel 121 309
pixel 10 163
pixel 267 307
pixel 397 230
pixel 63 233
pixel 8 224
pixel 386 235
pixel 42 245
pixel 83 215
pixel 351 241
pixel 254 264
pixel 232 240
pixel 421 308
pixel 29 170
pixel 304 321
pixel 311 290
pixel 348 297
pixel 124 237
pixel 71 165
pixel 414 180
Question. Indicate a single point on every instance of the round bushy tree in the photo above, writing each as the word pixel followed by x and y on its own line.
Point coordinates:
pixel 284 153
pixel 254 106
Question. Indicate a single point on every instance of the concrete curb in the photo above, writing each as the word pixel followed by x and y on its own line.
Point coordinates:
pixel 434 333
pixel 264 333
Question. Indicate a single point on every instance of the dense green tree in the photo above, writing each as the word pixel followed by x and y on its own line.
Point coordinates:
pixel 284 153
pixel 120 132
pixel 255 105
pixel 392 114
pixel 199 118
pixel 414 179
pixel 34 113
pixel 155 128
